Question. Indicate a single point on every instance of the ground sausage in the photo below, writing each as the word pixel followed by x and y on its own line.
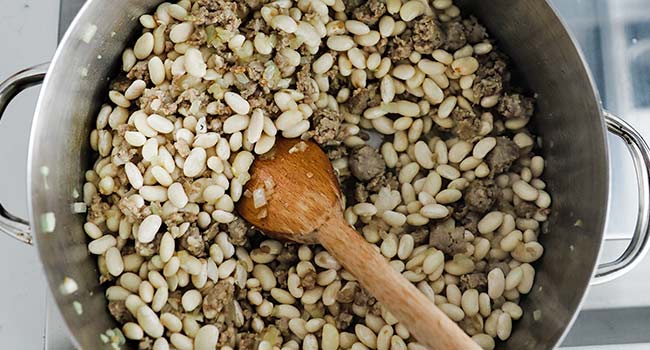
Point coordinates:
pixel 363 298
pixel 121 83
pixel 158 101
pixel 336 152
pixel 370 12
pixel 475 280
pixel 281 275
pixel 470 221
pixel 481 195
pixel 474 31
pixel 467 125
pixel 148 249
pixel 237 231
pixel 427 35
pixel 217 12
pixel 193 98
pixel 488 86
pixel 128 206
pixel 525 209
pixel 360 193
pixel 182 147
pixel 421 235
pixel 283 326
pixel 227 337
pixel 366 163
pixel 450 241
pixel 362 98
pixel 120 313
pixel 304 83
pixel 491 75
pixel 472 325
pixel 502 265
pixel 494 63
pixel 344 320
pixel 217 298
pixel 288 255
pixel 346 294
pixel 455 33
pixel 192 241
pixel 97 210
pixel 502 155
pixel 387 179
pixel 309 280
pixel 513 106
pixel 400 47
pixel 145 344
pixel 247 341
pixel 173 305
pixel 139 71
pixel 326 124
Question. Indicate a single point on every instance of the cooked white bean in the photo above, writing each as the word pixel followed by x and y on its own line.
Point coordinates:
pixel 132 331
pixel 411 9
pixel 448 196
pixel 454 312
pixel 470 302
pixel 149 322
pixel 149 228
pixel 114 261
pixel 143 46
pixel 527 252
pixel 340 43
pixel 465 65
pixel 284 23
pixel 447 106
pixel 322 64
pixel 156 70
pixel 490 222
pixel 525 191
pixel 504 326
pixel 434 211
pixel 356 27
pixel 101 245
pixel 483 147
pixel 448 172
pixel 181 32
pixel 181 342
pixel 366 336
pixel 195 163
pixel 459 151
pixel 496 283
pixel 238 104
pixel 369 39
pixel 485 341
pixel 194 64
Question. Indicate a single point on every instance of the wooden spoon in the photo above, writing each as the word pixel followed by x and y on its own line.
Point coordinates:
pixel 304 205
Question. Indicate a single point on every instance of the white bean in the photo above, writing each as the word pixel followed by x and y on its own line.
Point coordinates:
pixel 149 228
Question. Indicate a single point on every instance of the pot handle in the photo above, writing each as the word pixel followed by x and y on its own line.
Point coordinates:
pixel 638 247
pixel 9 224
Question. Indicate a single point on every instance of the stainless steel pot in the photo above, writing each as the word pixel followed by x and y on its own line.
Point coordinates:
pixel 569 116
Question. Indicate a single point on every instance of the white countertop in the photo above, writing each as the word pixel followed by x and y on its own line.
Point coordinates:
pixel 28 30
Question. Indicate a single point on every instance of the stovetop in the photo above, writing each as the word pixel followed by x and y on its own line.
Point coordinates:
pixel 615 38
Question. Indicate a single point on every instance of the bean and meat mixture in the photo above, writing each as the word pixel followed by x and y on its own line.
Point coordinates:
pixel 451 194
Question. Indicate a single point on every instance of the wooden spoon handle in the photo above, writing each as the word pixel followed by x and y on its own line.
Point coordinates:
pixel 426 322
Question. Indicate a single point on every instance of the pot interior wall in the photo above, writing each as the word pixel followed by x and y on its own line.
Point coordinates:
pixel 568 117
pixel 70 99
